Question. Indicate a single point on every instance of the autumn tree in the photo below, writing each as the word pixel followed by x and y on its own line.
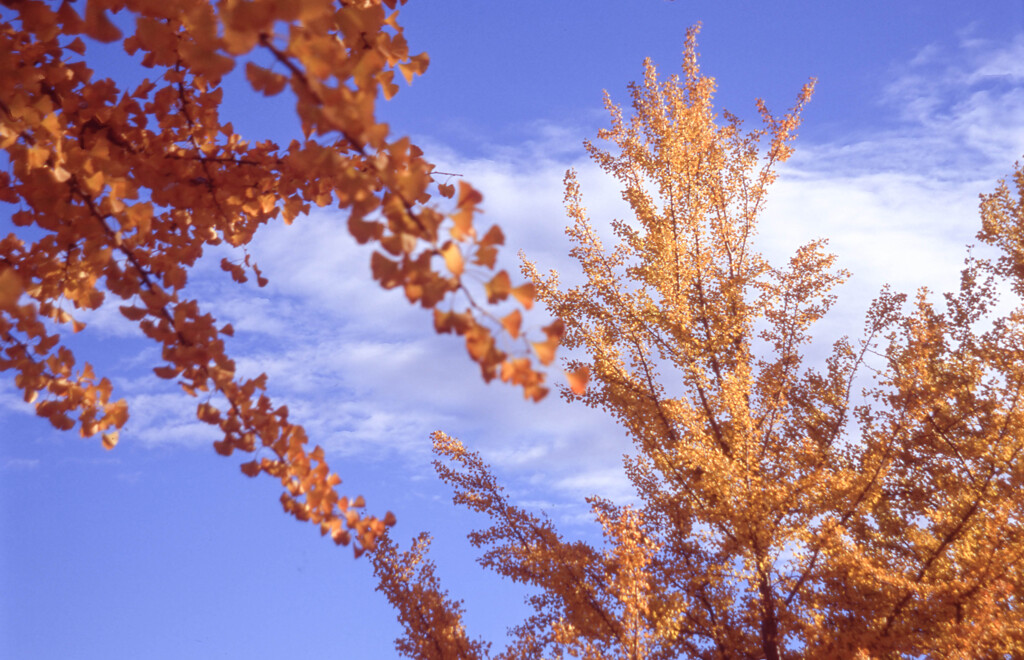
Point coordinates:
pixel 783 510
pixel 116 191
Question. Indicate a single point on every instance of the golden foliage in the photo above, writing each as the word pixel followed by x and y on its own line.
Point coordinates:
pixel 434 623
pixel 119 190
pixel 780 514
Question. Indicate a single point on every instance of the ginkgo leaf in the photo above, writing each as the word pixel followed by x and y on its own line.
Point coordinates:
pixel 72 24
pixel 110 440
pixel 203 59
pixel 387 86
pixel 167 372
pixel 555 329
pixel 10 288
pixel 545 350
pixel 486 255
pixel 498 287
pixel 251 468
pixel 384 270
pixel 97 25
pixel 452 258
pixel 494 236
pixel 207 413
pixel 264 80
pixel 512 323
pixel 362 230
pixel 123 187
pixel 524 293
pixel 578 380
pixel 133 313
pixel 487 251
pixel 468 195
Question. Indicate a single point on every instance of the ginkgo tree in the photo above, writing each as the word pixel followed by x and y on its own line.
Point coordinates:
pixel 115 191
pixel 871 506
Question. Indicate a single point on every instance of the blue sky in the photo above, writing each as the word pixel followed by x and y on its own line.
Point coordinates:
pixel 162 549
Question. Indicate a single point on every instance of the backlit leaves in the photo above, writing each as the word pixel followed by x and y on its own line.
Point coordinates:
pixel 120 190
pixel 783 511
pixel 578 379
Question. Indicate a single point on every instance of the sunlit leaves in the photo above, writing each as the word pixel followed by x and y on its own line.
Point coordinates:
pixel 98 25
pixel 265 81
pixel 129 186
pixel 498 288
pixel 545 350
pixel 434 628
pixel 578 379
pixel 870 508
pixel 110 440
pixel 512 323
pixel 524 294
pixel 453 258
pixel 10 288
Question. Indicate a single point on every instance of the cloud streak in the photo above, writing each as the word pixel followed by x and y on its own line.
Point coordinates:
pixel 362 371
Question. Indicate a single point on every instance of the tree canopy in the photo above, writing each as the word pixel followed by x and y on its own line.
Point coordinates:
pixel 867 506
pixel 117 192
pixel 783 509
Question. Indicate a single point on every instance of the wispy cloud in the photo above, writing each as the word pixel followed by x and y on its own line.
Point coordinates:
pixel 966 104
pixel 362 370
pixel 19 464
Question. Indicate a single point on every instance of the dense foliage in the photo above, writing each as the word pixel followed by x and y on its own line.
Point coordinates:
pixel 116 192
pixel 781 513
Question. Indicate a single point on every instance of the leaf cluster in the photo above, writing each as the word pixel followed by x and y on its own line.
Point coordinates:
pixel 117 192
pixel 780 513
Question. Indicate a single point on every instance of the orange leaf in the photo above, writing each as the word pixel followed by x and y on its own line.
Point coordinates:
pixel 555 329
pixel 486 256
pixel 387 87
pixel 263 80
pixel 442 321
pixel 10 288
pixel 133 313
pixel 546 350
pixel 578 380
pixel 362 230
pixel 250 469
pixel 453 258
pixel 384 270
pixel 110 440
pixel 463 223
pixel 98 26
pixel 524 294
pixel 166 372
pixel 207 413
pixel 494 236
pixel 512 322
pixel 498 288
pixel 468 195
pixel 118 412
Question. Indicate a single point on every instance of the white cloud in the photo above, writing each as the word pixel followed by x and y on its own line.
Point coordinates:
pixel 162 416
pixel 20 464
pixel 961 108
pixel 362 370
